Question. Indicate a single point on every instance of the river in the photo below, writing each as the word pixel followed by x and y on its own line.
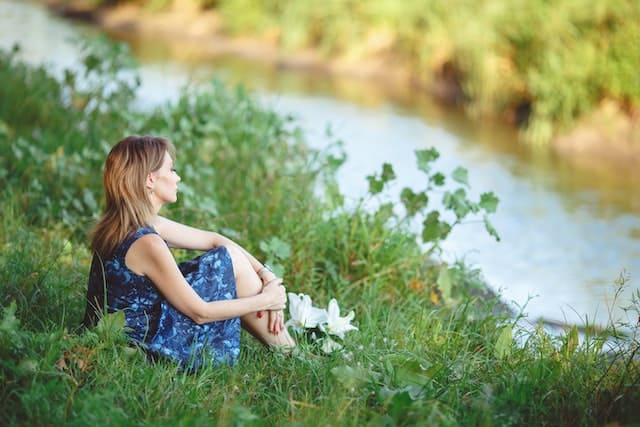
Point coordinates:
pixel 567 231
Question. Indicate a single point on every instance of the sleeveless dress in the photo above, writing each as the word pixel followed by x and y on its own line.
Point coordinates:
pixel 152 322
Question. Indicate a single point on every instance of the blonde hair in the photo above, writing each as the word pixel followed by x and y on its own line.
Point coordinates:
pixel 128 206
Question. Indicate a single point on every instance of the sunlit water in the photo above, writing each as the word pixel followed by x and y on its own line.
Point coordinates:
pixel 567 233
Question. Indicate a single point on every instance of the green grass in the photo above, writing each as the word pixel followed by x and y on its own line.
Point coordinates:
pixel 429 351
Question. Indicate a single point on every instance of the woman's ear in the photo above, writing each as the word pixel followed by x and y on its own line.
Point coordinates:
pixel 150 181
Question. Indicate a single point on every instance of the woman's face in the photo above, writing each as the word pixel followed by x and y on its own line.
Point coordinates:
pixel 164 183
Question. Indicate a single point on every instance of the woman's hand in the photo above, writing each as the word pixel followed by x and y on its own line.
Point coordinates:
pixel 277 291
pixel 276 294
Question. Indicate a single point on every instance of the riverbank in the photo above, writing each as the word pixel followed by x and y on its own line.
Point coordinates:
pixel 607 136
pixel 428 348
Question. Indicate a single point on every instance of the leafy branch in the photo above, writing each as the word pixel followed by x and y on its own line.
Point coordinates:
pixel 435 228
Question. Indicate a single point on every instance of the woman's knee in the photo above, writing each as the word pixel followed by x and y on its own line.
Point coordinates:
pixel 247 281
pixel 238 260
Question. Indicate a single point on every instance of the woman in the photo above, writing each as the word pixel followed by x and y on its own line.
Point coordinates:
pixel 190 313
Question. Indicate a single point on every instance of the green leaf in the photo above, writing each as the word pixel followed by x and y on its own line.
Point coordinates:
pixel 334 162
pixel 111 323
pixel 408 370
pixel 243 416
pixel 276 250
pixel 387 173
pixel 504 343
pixel 350 377
pixel 9 322
pixel 400 403
pixel 461 175
pixel 444 283
pixel 489 202
pixel 208 204
pixel 385 212
pixel 276 247
pixel 333 195
pixel 91 62
pixel 438 179
pixel 69 78
pixel 185 124
pixel 413 202
pixel 490 229
pixel 425 158
pixel 433 229
pixel 457 202
pixel 375 185
pixel 89 200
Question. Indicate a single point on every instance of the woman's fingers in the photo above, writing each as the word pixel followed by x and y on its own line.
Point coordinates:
pixel 281 319
pixel 273 322
pixel 279 294
pixel 276 321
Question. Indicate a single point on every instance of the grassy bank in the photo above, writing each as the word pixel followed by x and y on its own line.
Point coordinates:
pixel 427 351
pixel 540 65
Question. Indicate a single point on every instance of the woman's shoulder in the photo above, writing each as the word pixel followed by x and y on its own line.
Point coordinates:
pixel 148 240
pixel 149 250
pixel 145 237
pixel 151 241
pixel 133 237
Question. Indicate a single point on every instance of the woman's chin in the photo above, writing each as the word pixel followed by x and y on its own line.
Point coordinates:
pixel 169 201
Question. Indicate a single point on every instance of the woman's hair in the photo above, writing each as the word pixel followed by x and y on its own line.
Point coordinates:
pixel 128 206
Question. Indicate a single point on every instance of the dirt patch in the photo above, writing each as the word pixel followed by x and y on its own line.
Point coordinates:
pixel 608 134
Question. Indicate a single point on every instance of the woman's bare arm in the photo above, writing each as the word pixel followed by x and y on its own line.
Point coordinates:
pixel 150 256
pixel 182 236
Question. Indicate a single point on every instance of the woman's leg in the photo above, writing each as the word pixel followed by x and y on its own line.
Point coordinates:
pixel 247 284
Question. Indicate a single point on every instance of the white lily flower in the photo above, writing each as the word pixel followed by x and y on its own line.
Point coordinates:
pixel 302 314
pixel 337 325
pixel 329 345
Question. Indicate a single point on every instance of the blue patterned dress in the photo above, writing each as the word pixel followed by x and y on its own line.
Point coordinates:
pixel 153 323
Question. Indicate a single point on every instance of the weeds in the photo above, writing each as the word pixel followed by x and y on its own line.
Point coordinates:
pixel 432 347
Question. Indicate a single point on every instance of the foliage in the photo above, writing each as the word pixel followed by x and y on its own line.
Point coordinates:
pixel 432 346
pixel 56 137
pixel 550 62
pixel 540 64
pixel 434 229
